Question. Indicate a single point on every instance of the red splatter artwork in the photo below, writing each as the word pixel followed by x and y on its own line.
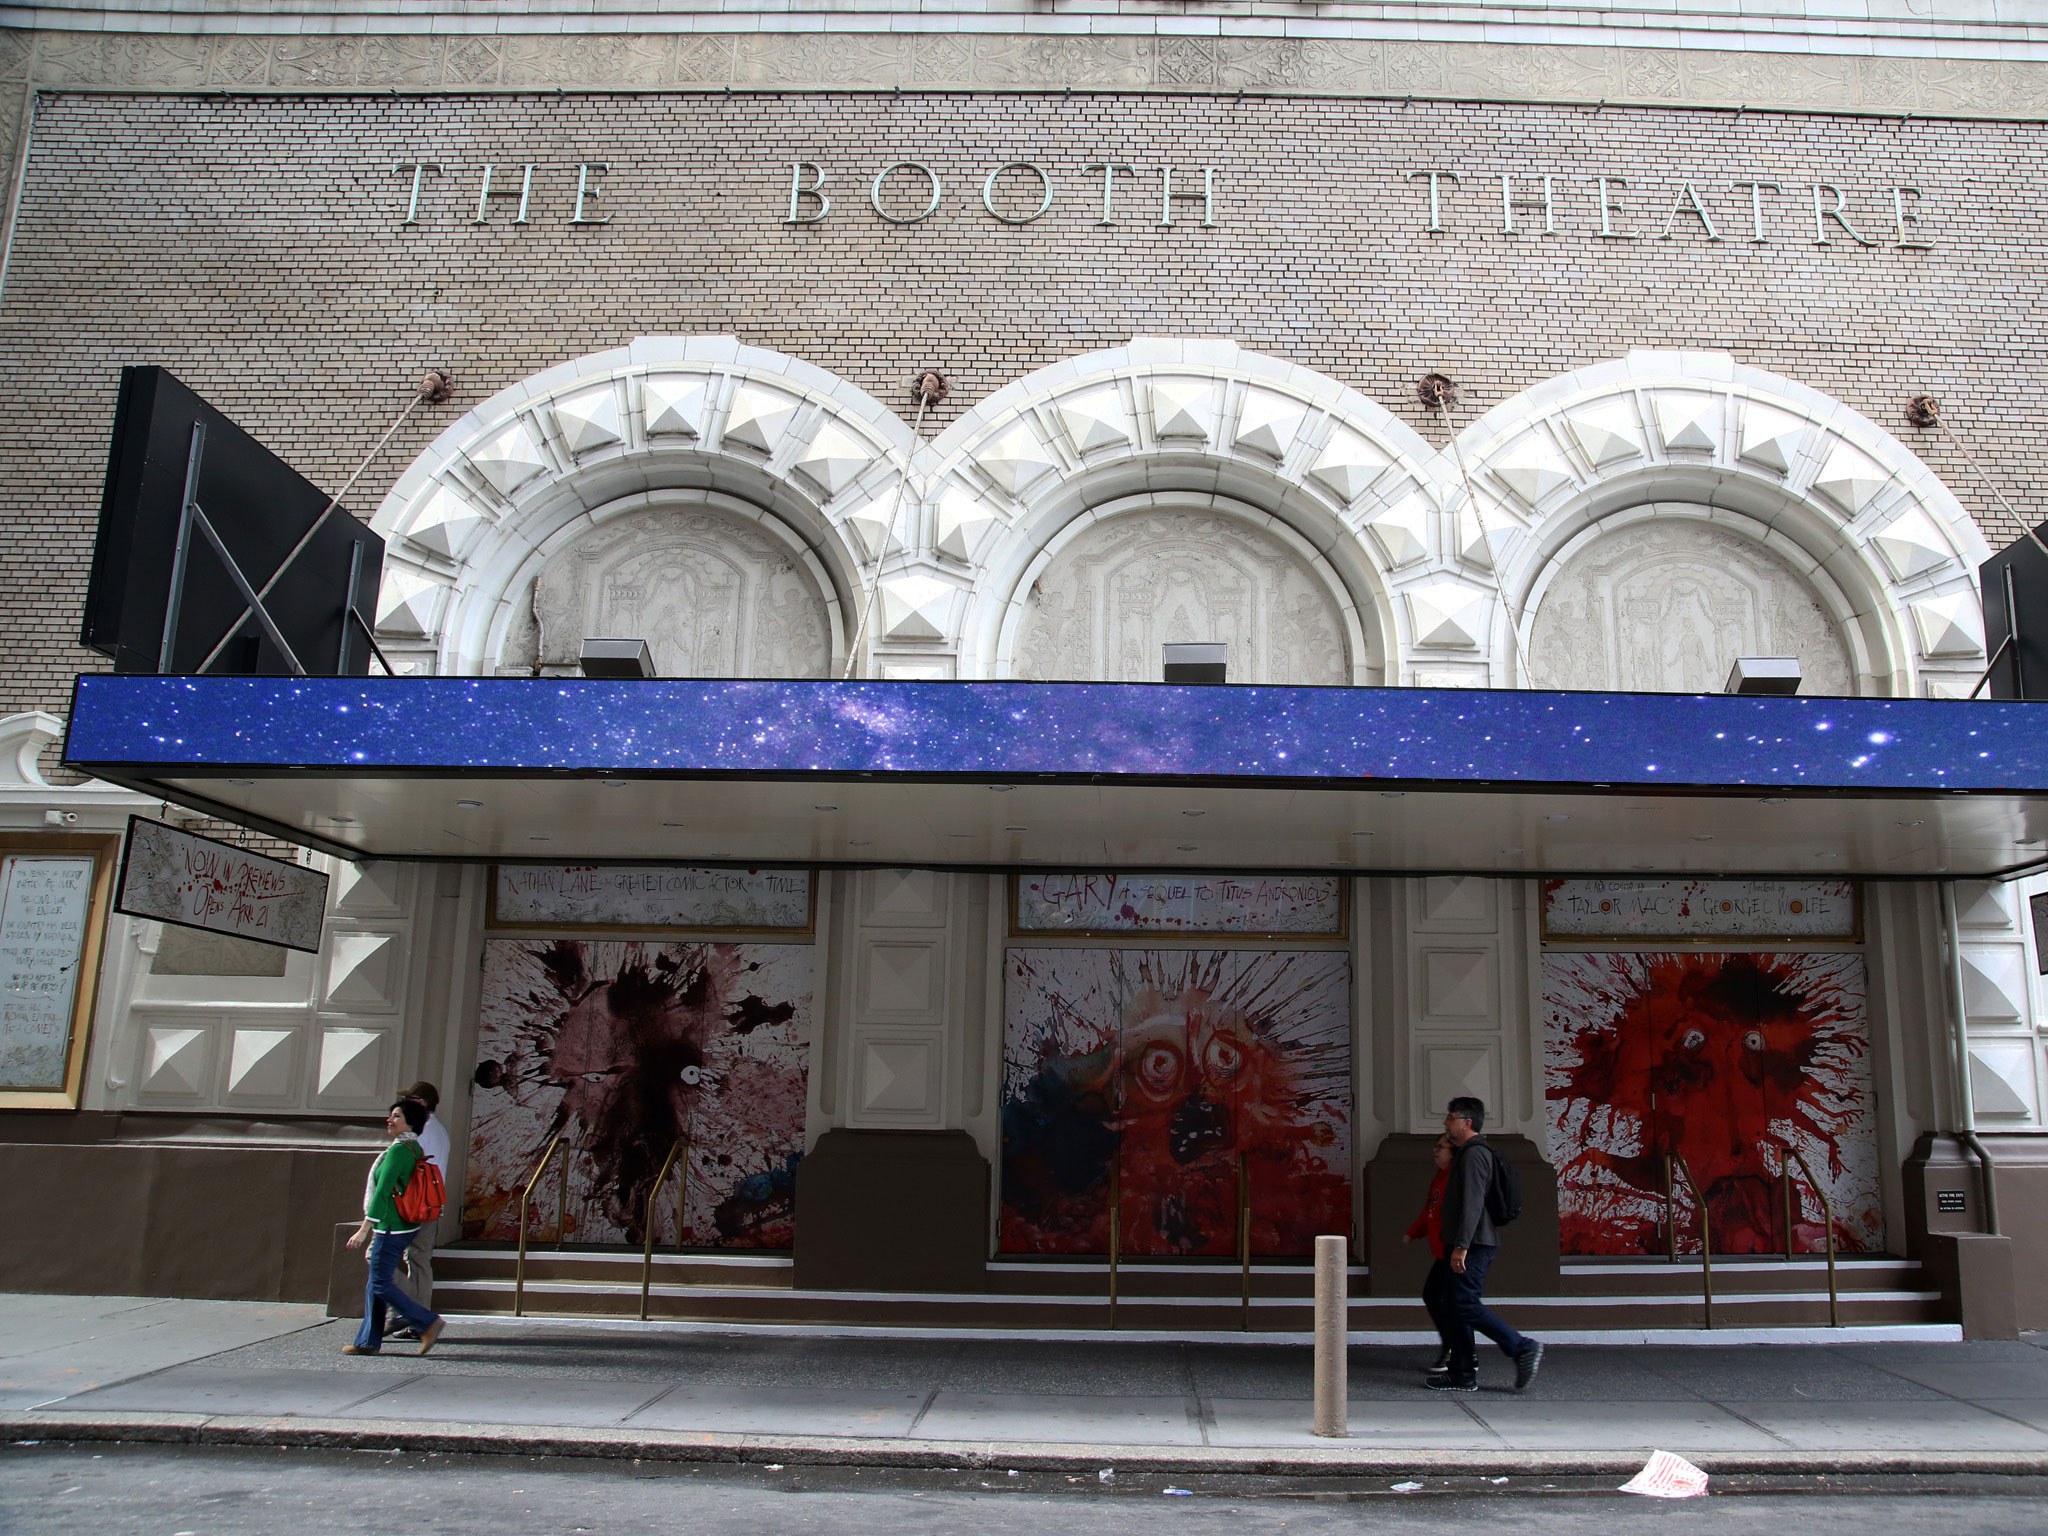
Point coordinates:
pixel 1726 1060
pixel 1171 1066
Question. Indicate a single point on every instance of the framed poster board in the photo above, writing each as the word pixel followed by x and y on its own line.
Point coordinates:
pixel 637 898
pixel 1801 911
pixel 54 897
pixel 1088 903
pixel 175 876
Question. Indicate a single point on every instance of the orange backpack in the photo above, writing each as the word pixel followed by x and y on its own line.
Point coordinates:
pixel 424 1194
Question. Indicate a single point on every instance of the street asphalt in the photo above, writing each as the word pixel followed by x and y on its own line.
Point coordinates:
pixel 244 1374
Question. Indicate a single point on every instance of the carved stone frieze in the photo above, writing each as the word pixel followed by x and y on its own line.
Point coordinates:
pixel 1104 605
pixel 1027 61
pixel 1667 605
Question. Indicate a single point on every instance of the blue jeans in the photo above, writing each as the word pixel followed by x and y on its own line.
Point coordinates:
pixel 381 1290
pixel 1468 1311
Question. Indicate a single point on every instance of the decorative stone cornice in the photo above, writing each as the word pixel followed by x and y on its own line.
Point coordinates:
pixel 1024 61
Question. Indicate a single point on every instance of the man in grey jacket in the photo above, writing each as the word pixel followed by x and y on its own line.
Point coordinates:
pixel 1470 1241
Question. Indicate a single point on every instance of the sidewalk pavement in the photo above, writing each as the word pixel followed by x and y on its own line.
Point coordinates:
pixel 110 1368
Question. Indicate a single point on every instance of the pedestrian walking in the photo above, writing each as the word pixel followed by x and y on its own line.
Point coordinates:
pixel 1428 1227
pixel 417 1277
pixel 388 1231
pixel 1470 1236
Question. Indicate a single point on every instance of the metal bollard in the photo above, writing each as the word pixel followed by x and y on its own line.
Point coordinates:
pixel 1332 1309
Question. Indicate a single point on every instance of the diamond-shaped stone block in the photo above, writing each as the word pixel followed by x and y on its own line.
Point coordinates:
pixel 1607 432
pixel 833 458
pixel 509 458
pixel 174 1060
pixel 1532 468
pixel 1183 409
pixel 1687 421
pixel 896 1076
pixel 1952 625
pixel 445 522
pixel 1446 615
pixel 674 404
pixel 372 888
pixel 1268 422
pixel 1015 459
pixel 1994 983
pixel 1401 532
pixel 758 418
pixel 964 520
pixel 351 1063
pixel 1850 479
pixel 260 1063
pixel 1095 418
pixel 876 525
pixel 2002 1080
pixel 1347 464
pixel 916 606
pixel 589 419
pixel 406 602
pixel 1911 545
pixel 362 969
pixel 1770 437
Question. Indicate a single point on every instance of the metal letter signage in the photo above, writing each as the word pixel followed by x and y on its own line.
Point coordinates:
pixel 176 877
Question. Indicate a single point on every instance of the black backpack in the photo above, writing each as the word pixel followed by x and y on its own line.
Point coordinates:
pixel 1503 1192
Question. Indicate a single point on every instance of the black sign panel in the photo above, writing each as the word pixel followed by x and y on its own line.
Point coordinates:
pixel 1951 1201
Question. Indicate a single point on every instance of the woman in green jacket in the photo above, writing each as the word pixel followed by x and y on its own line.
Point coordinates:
pixel 389 1234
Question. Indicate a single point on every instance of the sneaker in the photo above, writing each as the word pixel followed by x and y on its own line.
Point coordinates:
pixel 410 1335
pixel 1449 1383
pixel 1441 1365
pixel 1527 1363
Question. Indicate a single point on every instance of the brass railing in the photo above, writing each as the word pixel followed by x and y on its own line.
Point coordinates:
pixel 1827 1208
pixel 525 1202
pixel 1244 1243
pixel 682 1147
pixel 1672 1161
pixel 1116 1225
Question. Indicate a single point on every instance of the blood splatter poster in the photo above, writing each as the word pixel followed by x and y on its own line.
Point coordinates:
pixel 625 1046
pixel 1725 1059
pixel 1172 1065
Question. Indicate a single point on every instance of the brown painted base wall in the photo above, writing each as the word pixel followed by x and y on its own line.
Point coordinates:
pixel 1397 1183
pixel 117 1218
pixel 892 1211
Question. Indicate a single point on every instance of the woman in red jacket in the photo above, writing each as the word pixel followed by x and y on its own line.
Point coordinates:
pixel 1436 1289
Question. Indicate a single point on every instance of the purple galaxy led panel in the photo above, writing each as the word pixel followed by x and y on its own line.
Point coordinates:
pixel 138 726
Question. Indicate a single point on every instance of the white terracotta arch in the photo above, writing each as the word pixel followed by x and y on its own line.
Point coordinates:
pixel 1888 549
pixel 817 463
pixel 1217 427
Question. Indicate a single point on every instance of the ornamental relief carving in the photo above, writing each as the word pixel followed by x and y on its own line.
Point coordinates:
pixel 1101 610
pixel 711 597
pixel 1667 607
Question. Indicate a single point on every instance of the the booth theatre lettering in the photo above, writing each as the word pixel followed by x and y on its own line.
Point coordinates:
pixel 1437 200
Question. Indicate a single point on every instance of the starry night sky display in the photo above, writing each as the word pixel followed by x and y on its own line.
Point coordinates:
pixel 1010 730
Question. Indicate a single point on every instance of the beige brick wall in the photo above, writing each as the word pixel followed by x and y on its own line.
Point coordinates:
pixel 255 247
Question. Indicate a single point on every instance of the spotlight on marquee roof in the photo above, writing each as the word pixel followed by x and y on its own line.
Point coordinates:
pixel 616 659
pixel 1763 674
pixel 1196 661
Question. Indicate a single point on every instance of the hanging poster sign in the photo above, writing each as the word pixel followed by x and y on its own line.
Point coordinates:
pixel 1096 901
pixel 179 877
pixel 1702 909
pixel 44 905
pixel 640 896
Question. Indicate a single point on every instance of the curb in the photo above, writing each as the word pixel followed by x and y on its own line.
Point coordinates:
pixel 942 1455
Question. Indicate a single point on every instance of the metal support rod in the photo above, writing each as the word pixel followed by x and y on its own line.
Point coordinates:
pixel 256 609
pixel 562 1207
pixel 175 605
pixel 1244 1243
pixel 654 1194
pixel 1827 1212
pixel 370 635
pixel 525 1203
pixel 1116 1224
pixel 1670 1213
pixel 1332 1307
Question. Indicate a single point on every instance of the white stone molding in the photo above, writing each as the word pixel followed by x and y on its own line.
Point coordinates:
pixel 1886 549
pixel 669 421
pixel 1194 426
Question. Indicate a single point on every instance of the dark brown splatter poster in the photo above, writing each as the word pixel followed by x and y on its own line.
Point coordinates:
pixel 626 1045
pixel 1725 1059
pixel 1173 1065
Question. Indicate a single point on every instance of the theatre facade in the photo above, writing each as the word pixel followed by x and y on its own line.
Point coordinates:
pixel 906 950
